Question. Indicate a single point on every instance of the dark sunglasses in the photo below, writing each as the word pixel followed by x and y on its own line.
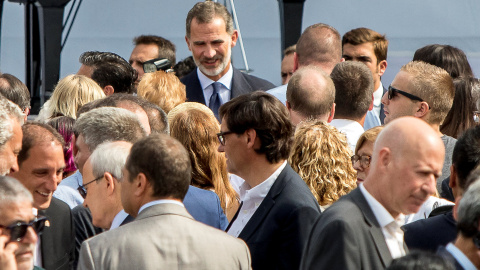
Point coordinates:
pixel 221 136
pixel 392 92
pixel 18 230
pixel 83 191
pixel 364 160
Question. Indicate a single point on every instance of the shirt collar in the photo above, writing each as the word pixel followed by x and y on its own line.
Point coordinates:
pixel 381 214
pixel 226 79
pixel 461 258
pixel 347 124
pixel 377 96
pixel 159 202
pixel 118 219
pixel 261 190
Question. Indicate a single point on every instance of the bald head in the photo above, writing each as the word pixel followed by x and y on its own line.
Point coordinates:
pixel 407 159
pixel 319 45
pixel 310 94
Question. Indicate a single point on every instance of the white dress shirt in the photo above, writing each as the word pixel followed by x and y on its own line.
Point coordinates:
pixel 460 257
pixel 37 258
pixel 352 129
pixel 377 99
pixel 390 227
pixel 251 199
pixel 225 89
pixel 118 219
pixel 152 203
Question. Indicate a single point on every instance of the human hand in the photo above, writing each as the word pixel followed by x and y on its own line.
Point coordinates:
pixel 7 253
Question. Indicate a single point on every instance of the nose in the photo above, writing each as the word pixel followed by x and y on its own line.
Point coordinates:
pixel 85 202
pixel 385 98
pixel 30 237
pixel 14 167
pixel 221 148
pixel 53 181
pixel 431 185
pixel 209 52
pixel 357 166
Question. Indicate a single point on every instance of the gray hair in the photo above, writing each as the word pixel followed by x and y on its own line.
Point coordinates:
pixel 108 124
pixel 110 157
pixel 11 190
pixel 8 111
pixel 469 211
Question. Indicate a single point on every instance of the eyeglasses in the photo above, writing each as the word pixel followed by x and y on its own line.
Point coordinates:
pixel 221 136
pixel 18 230
pixel 392 92
pixel 83 191
pixel 364 160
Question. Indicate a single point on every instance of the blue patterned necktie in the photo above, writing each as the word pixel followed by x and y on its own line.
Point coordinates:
pixel 215 99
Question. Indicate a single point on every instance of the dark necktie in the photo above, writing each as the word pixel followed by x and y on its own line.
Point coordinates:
pixel 215 100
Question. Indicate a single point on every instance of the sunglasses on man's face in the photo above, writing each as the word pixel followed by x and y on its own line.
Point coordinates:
pixel 392 92
pixel 18 230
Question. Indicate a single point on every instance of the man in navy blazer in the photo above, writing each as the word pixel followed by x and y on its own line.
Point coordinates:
pixel 277 209
pixel 210 37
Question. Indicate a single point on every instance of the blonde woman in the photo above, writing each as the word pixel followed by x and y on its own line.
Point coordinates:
pixel 163 89
pixel 71 93
pixel 321 156
pixel 195 126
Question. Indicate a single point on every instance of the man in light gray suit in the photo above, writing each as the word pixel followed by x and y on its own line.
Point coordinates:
pixel 155 180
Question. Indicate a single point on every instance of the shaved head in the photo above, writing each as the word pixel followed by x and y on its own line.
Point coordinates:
pixel 407 159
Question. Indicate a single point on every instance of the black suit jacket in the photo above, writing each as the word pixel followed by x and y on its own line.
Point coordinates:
pixel 278 230
pixel 241 84
pixel 347 236
pixel 443 252
pixel 431 233
pixel 57 240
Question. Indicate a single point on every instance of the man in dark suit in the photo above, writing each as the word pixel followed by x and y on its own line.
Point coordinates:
pixel 277 209
pixel 210 37
pixel 41 165
pixel 369 47
pixel 463 252
pixel 429 234
pixel 362 229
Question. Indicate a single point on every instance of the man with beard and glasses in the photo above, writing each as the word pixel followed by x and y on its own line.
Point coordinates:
pixel 210 37
pixel 18 226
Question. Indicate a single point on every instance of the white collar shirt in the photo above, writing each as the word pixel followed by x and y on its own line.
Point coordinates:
pixel 352 129
pixel 118 219
pixel 37 258
pixel 391 227
pixel 152 203
pixel 226 85
pixel 377 99
pixel 251 199
pixel 461 258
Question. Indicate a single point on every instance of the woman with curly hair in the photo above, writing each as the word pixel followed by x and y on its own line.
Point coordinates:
pixel 321 156
pixel 195 126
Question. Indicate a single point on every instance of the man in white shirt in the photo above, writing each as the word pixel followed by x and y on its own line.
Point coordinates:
pixel 156 178
pixel 102 174
pixel 369 47
pixel 319 45
pixel 310 95
pixel 277 209
pixel 353 98
pixel 362 230
pixel 464 251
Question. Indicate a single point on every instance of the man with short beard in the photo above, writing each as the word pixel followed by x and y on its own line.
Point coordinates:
pixel 210 37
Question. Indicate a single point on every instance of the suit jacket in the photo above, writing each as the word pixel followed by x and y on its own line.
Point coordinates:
pixel 204 206
pixel 443 252
pixel 164 236
pixel 347 236
pixel 431 233
pixel 278 230
pixel 241 84
pixel 57 240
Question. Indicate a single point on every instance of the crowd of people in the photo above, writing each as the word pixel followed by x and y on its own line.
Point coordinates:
pixel 196 165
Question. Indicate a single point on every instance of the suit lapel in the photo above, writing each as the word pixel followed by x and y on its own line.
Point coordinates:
pixel 265 207
pixel 382 112
pixel 375 230
pixel 239 85
pixel 193 88
pixel 46 239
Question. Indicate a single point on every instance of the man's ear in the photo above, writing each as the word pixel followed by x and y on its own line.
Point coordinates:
pixel 188 43
pixel 288 105
pixel 384 156
pixel 252 140
pixel 422 110
pixel 382 66
pixel 371 104
pixel 141 185
pixel 234 38
pixel 110 182
pixel 74 146
pixel 295 62
pixel 332 113
pixel 108 90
